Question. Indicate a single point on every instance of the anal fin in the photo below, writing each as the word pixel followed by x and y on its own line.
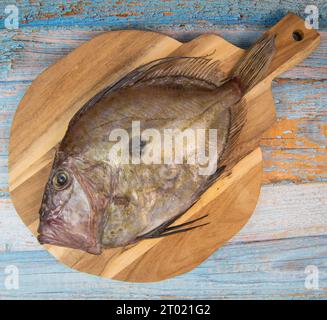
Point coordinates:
pixel 164 231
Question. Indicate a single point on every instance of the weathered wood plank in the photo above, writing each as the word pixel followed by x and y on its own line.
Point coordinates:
pixel 283 211
pixel 295 148
pixel 28 51
pixel 187 14
pixel 287 211
pixel 264 270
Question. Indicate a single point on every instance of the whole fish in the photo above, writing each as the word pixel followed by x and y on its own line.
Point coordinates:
pixel 93 201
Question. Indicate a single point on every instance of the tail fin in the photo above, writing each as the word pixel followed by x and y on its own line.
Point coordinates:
pixel 254 65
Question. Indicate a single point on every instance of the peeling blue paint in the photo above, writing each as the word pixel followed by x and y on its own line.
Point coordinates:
pixel 151 14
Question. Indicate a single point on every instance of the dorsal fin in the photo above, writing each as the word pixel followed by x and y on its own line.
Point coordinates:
pixel 193 68
pixel 200 69
pixel 238 113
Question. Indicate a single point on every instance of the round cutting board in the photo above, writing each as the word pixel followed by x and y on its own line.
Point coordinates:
pixel 60 91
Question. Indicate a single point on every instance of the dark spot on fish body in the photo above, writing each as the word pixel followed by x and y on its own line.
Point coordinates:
pixel 121 201
pixel 136 147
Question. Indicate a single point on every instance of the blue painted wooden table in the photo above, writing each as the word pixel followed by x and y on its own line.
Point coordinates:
pixel 282 251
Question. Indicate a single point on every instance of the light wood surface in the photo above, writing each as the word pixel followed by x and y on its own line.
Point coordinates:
pixel 62 89
pixel 286 233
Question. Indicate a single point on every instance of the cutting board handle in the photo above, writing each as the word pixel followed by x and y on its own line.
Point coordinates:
pixel 294 42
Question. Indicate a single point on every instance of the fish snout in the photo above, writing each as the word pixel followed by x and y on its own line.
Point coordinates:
pixel 46 231
pixel 51 232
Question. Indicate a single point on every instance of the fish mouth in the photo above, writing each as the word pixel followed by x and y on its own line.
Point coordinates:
pixel 71 242
pixel 49 240
pixel 44 239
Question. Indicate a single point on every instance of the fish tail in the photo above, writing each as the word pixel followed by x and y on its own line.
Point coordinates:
pixel 253 66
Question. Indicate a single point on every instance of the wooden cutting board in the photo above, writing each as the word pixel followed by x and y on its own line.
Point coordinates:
pixel 60 91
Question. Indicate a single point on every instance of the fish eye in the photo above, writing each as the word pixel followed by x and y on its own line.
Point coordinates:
pixel 61 180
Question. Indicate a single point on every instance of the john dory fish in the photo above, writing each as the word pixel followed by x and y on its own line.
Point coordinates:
pixel 91 203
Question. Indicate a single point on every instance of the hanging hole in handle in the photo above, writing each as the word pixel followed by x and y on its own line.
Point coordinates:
pixel 298 35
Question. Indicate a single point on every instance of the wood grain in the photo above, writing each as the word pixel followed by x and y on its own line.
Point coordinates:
pixel 34 144
pixel 28 51
pixel 49 31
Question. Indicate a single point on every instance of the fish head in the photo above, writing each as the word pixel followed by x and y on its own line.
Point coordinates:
pixel 68 214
